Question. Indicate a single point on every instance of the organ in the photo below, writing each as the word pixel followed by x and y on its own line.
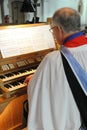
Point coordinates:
pixel 15 69
pixel 15 66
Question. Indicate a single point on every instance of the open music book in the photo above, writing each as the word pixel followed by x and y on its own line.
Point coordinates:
pixel 26 39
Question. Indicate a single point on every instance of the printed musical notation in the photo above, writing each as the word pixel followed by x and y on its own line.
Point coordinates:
pixel 17 41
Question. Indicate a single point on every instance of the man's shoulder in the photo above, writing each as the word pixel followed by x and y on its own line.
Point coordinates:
pixel 52 55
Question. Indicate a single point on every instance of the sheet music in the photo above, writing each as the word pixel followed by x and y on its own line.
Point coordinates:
pixel 19 41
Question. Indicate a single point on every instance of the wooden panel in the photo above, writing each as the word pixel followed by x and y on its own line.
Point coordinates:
pixel 12 116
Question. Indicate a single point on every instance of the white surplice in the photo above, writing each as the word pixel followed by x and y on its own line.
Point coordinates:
pixel 51 103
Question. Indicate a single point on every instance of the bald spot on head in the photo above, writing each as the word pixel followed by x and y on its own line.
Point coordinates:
pixel 66 11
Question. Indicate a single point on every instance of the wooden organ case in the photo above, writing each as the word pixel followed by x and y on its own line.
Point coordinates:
pixel 13 70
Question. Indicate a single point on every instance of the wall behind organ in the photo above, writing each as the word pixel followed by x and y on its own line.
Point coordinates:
pixel 50 6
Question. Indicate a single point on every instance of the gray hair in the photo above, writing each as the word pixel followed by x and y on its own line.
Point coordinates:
pixel 68 19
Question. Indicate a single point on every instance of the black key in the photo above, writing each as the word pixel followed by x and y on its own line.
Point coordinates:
pixel 22 71
pixel 9 75
pixel 2 77
pixel 7 86
pixel 16 73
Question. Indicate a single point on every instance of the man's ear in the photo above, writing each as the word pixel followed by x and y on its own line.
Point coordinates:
pixel 60 34
pixel 60 29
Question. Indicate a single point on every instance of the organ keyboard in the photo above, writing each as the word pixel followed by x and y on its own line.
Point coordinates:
pixel 13 70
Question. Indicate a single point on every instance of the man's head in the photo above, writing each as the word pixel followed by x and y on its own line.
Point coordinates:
pixel 66 22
